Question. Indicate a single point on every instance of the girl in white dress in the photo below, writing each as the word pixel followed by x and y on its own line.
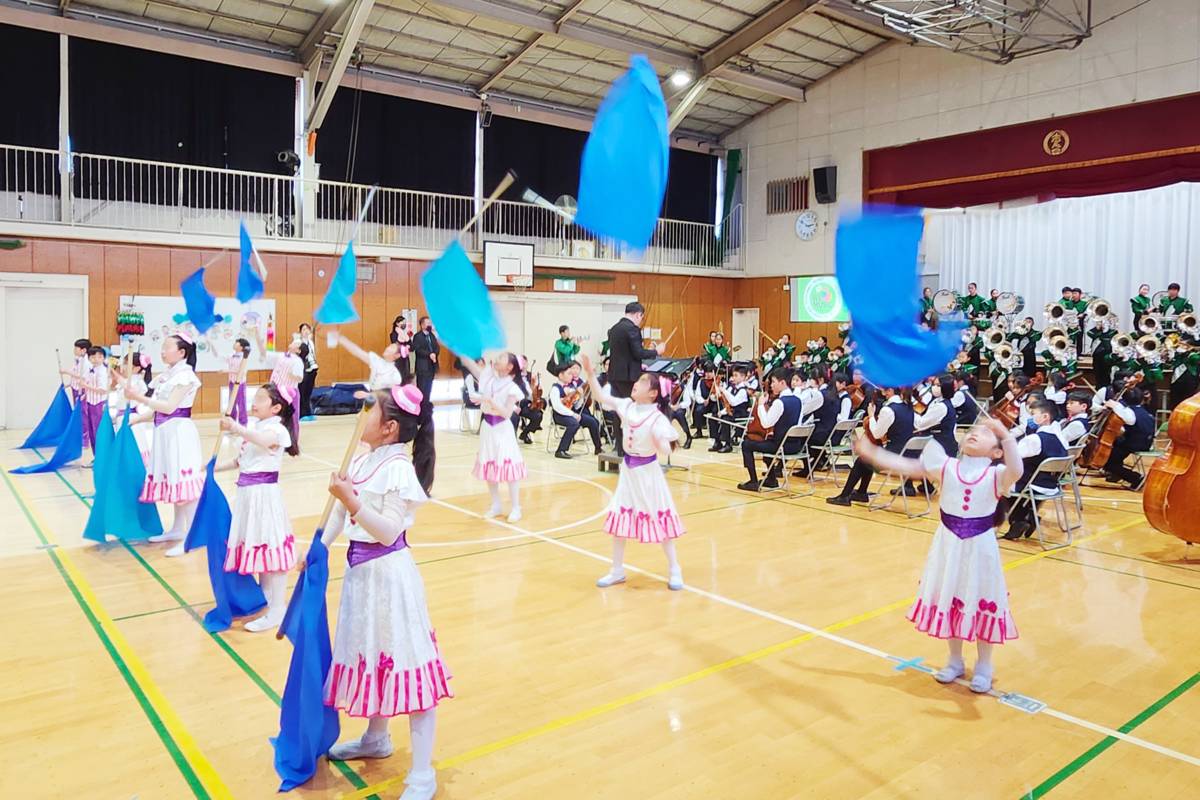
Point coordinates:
pixel 143 432
pixel 642 508
pixel 260 535
pixel 501 390
pixel 176 471
pixel 963 596
pixel 385 655
pixel 237 362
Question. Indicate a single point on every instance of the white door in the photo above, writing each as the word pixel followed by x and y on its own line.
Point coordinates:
pixel 36 321
pixel 744 335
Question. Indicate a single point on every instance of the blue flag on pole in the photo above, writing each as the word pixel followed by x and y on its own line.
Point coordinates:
pixel 53 421
pixel 236 595
pixel 199 301
pixel 307 727
pixel 250 284
pixel 125 515
pixel 70 446
pixel 623 176
pixel 338 305
pixel 459 305
pixel 101 467
pixel 876 256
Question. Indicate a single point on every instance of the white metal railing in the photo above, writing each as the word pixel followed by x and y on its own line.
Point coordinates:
pixel 136 194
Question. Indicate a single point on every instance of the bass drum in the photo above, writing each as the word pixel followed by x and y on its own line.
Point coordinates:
pixel 945 301
pixel 1009 303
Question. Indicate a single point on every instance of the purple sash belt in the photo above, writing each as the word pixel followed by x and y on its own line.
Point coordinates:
pixel 160 418
pixel 257 478
pixel 492 419
pixel 362 552
pixel 967 527
pixel 639 461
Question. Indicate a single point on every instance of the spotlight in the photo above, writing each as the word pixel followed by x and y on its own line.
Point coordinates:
pixel 680 78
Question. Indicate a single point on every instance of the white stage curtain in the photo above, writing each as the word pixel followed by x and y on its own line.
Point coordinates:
pixel 1107 245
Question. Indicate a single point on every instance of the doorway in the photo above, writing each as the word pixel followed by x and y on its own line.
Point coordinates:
pixel 745 334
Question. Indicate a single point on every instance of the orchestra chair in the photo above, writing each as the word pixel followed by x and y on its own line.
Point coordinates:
pixel 1058 467
pixel 829 453
pixel 1071 478
pixel 470 417
pixel 554 433
pixel 912 449
pixel 784 460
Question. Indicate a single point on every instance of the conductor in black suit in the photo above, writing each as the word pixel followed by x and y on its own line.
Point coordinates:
pixel 625 357
pixel 426 349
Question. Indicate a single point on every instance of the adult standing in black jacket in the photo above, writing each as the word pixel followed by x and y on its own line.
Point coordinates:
pixel 625 357
pixel 425 348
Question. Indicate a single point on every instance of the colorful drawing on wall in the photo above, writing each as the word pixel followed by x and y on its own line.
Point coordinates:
pixel 164 316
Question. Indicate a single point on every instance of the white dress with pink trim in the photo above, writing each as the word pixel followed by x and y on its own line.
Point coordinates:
pixel 385 654
pixel 642 507
pixel 143 432
pixel 499 459
pixel 963 594
pixel 260 536
pixel 176 470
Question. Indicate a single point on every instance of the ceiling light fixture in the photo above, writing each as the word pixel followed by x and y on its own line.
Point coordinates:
pixel 680 78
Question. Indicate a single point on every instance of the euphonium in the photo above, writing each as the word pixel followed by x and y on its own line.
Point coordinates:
pixel 1053 332
pixel 1055 313
pixel 1097 310
pixel 1150 323
pixel 1187 324
pixel 994 339
pixel 1004 356
pixel 1149 347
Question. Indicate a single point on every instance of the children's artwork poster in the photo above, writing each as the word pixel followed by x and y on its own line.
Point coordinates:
pixel 163 316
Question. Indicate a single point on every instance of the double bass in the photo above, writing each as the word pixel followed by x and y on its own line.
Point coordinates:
pixel 1171 494
pixel 1107 427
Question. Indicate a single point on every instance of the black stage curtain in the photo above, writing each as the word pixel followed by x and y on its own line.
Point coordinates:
pixel 401 143
pixel 691 187
pixel 29 61
pixel 143 104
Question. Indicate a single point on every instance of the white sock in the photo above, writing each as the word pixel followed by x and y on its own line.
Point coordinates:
pixel 494 488
pixel 184 514
pixel 983 665
pixel 421 728
pixel 514 495
pixel 274 586
pixel 954 666
pixel 672 557
pixel 618 557
pixel 377 728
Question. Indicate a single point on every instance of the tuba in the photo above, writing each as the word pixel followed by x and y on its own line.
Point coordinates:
pixel 1188 325
pixel 1149 348
pixel 1097 310
pixel 1059 347
pixel 995 337
pixel 1055 313
pixel 1005 357
pixel 1150 324
pixel 1023 328
pixel 1054 332
pixel 1000 324
pixel 1122 346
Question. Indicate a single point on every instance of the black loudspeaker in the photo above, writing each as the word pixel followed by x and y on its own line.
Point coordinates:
pixel 825 184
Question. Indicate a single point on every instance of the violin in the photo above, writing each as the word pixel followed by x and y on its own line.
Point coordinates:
pixel 1172 490
pixel 1007 410
pixel 755 430
pixel 866 428
pixel 1107 427
pixel 537 401
pixel 858 395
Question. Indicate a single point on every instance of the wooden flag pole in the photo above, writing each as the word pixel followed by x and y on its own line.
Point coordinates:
pixel 351 447
pixel 509 178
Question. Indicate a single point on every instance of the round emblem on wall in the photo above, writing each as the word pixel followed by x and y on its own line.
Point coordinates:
pixel 1056 142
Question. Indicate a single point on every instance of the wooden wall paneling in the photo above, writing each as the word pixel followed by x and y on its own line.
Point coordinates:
pixel 88 259
pixel 19 260
pixel 48 256
pixel 153 271
pixel 120 270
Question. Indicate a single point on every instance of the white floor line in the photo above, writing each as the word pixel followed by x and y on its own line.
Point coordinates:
pixel 816 632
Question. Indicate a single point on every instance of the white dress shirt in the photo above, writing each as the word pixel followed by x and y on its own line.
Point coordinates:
pixel 885 418
pixel 1075 429
pixel 934 414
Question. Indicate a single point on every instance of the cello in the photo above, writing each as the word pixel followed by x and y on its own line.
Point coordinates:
pixel 1171 493
pixel 1107 427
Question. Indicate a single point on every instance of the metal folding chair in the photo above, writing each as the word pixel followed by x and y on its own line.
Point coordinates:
pixel 1057 467
pixel 830 452
pixel 1071 477
pixel 470 417
pixel 785 460
pixel 912 449
pixel 554 433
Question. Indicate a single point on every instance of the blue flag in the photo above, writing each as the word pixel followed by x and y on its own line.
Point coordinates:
pixel 250 284
pixel 53 421
pixel 105 439
pixel 199 301
pixel 70 446
pixel 125 515
pixel 236 595
pixel 307 727
pixel 623 176
pixel 459 305
pixel 338 305
pixel 876 256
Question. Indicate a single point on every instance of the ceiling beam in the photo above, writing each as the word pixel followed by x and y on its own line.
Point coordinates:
pixel 845 14
pixel 687 102
pixel 355 21
pixel 748 80
pixel 755 32
pixel 529 46
pixel 328 19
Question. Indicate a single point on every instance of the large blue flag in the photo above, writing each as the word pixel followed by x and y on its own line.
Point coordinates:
pixel 250 284
pixel 307 727
pixel 338 305
pixel 53 421
pixel 70 446
pixel 459 305
pixel 119 490
pixel 876 256
pixel 623 176
pixel 101 466
pixel 236 595
pixel 199 301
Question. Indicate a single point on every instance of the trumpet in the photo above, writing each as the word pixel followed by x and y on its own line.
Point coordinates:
pixel 1187 324
pixel 1150 323
pixel 994 339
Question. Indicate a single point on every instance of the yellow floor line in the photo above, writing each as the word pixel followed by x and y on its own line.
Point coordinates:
pixel 183 738
pixel 621 702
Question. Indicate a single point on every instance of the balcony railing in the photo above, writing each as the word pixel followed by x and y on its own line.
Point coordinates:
pixel 107 192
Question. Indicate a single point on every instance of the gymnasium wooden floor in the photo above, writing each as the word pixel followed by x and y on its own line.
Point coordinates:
pixel 113 689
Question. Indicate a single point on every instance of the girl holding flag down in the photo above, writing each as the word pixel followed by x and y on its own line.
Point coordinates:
pixel 260 535
pixel 175 474
pixel 385 654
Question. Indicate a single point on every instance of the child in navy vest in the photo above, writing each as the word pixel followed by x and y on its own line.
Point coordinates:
pixel 1138 437
pixel 1034 448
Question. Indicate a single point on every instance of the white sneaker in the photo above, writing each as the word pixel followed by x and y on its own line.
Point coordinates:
pixel 420 787
pixel 176 551
pixel 494 511
pixel 169 536
pixel 362 747
pixel 981 683
pixel 611 579
pixel 675 581
pixel 949 673
pixel 514 515
pixel 266 622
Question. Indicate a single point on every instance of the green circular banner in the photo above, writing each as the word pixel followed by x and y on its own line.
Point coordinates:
pixel 822 300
